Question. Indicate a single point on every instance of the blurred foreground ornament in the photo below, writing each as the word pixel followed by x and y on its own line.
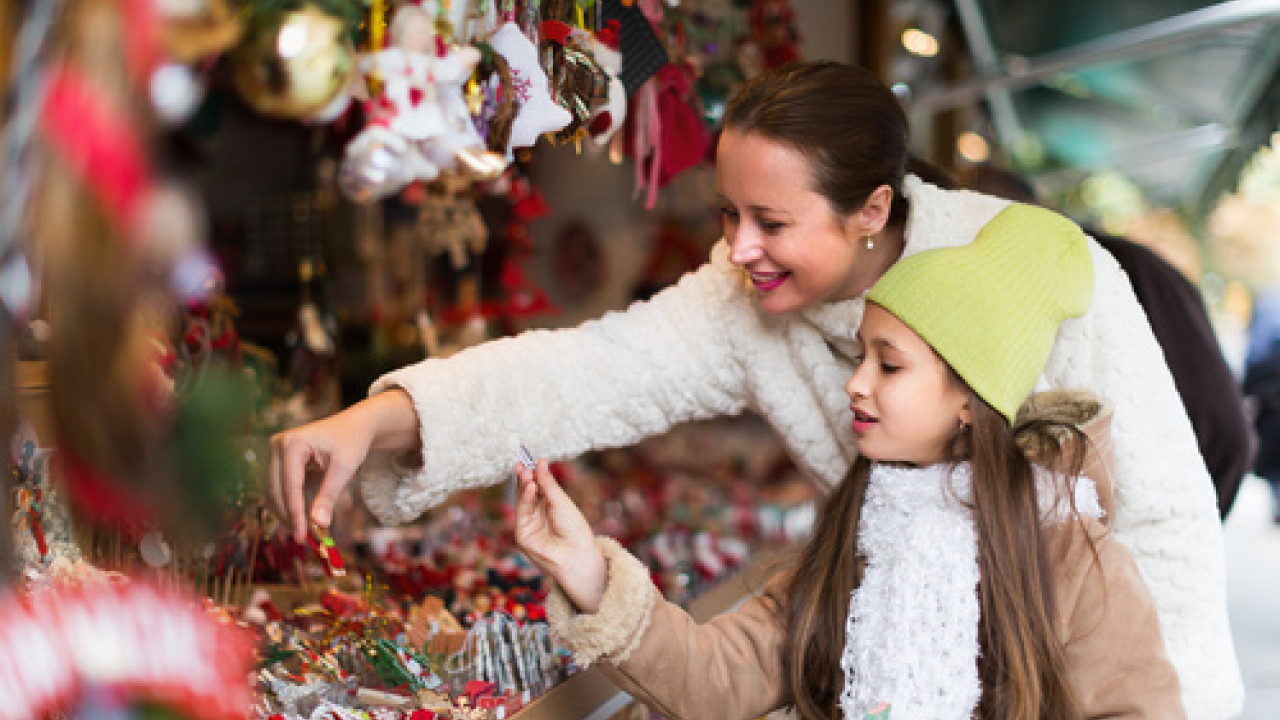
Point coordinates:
pixel 298 65
pixel 130 642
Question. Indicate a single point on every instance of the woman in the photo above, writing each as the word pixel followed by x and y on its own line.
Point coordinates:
pixel 816 205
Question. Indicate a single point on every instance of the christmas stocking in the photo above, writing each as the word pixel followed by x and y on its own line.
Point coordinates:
pixel 537 113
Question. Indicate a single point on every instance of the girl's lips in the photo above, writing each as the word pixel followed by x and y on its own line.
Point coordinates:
pixel 764 282
pixel 862 421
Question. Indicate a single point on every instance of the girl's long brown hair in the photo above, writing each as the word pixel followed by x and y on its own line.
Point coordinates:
pixel 1021 662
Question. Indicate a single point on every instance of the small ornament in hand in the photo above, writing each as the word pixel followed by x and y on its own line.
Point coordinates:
pixel 556 536
pixel 325 548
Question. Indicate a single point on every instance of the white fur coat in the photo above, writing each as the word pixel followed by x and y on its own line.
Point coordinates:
pixel 701 349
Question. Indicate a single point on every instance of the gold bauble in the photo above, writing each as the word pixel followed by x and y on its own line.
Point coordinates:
pixel 296 65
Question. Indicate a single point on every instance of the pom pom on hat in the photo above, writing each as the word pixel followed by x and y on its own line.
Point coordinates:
pixel 992 308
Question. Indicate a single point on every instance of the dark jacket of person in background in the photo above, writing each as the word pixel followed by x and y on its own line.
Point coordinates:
pixel 1210 392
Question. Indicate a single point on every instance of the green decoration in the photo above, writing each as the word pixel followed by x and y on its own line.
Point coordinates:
pixel 210 441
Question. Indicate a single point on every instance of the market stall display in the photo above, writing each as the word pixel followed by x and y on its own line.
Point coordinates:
pixel 146 389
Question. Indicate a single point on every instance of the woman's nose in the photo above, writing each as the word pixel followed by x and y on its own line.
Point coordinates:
pixel 744 247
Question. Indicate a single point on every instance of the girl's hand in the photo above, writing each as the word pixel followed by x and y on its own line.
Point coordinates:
pixel 552 531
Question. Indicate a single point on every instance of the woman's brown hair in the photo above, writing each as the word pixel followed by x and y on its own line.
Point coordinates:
pixel 1021 661
pixel 842 118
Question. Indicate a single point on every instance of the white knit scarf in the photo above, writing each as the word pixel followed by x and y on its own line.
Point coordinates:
pixel 912 630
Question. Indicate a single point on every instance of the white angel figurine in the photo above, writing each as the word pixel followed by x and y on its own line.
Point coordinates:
pixel 421 101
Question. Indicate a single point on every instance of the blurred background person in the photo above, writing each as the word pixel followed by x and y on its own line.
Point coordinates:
pixel 1210 393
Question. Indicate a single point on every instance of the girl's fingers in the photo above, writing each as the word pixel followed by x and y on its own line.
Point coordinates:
pixel 528 490
pixel 547 481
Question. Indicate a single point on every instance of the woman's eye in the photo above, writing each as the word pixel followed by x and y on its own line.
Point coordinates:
pixel 889 368
pixel 771 227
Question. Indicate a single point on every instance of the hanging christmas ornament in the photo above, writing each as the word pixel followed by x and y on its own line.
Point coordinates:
pixel 497 108
pixel 450 223
pixel 376 164
pixel 773 29
pixel 521 297
pixel 193 30
pixel 681 139
pixel 716 85
pixel 577 82
pixel 176 91
pixel 472 20
pixel 296 65
pixel 537 112
pixel 607 118
pixel 638 43
pixel 419 124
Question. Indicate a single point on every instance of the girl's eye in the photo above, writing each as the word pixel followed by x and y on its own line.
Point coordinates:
pixel 889 368
pixel 728 213
pixel 771 227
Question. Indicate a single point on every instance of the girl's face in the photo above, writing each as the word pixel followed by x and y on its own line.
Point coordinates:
pixel 907 404
pixel 796 249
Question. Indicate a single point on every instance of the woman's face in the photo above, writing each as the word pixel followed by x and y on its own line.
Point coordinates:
pixel 796 249
pixel 907 404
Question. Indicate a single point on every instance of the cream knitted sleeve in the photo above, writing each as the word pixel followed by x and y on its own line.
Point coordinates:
pixel 1166 511
pixel 606 383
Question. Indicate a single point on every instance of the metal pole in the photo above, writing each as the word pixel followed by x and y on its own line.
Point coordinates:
pixel 1145 40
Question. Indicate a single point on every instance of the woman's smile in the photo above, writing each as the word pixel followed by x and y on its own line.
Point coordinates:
pixel 764 282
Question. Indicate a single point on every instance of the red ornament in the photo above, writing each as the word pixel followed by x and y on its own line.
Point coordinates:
pixel 773 29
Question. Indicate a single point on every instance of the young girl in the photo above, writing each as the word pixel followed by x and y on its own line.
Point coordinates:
pixel 949 575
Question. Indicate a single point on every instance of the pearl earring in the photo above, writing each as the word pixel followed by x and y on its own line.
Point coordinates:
pixel 871 241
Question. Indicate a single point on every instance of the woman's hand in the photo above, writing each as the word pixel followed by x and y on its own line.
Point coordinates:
pixel 552 531
pixel 334 447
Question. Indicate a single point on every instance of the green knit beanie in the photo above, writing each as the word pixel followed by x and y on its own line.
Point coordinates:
pixel 992 308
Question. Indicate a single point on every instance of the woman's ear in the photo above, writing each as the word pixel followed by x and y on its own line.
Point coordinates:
pixel 966 414
pixel 874 214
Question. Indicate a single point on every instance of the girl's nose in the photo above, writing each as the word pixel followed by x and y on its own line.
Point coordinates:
pixel 855 386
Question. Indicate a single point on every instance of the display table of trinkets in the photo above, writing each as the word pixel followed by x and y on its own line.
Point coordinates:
pixel 445 617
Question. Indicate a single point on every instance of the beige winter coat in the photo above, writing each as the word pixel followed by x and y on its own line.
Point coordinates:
pixel 730 667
